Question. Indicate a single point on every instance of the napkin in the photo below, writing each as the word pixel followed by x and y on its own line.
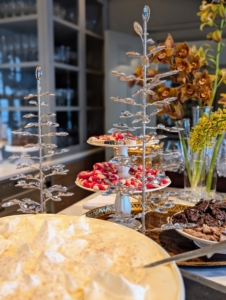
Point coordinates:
pixel 101 201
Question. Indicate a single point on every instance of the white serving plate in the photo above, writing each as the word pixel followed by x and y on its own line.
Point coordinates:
pixel 199 242
pixel 136 192
pixel 120 146
pixel 165 281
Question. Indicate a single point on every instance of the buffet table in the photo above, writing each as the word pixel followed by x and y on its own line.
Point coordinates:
pixel 214 274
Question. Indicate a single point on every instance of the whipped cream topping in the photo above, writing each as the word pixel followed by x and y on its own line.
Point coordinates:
pixel 62 257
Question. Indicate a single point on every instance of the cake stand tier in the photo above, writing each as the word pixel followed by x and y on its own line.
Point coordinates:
pixel 135 192
pixel 122 150
pixel 121 146
pixel 125 204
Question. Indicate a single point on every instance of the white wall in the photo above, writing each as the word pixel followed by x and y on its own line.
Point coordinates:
pixel 179 17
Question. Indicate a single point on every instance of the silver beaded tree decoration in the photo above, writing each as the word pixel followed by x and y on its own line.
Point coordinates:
pixel 148 84
pixel 28 181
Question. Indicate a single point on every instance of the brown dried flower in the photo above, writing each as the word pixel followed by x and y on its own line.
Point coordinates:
pixel 174 110
pixel 163 56
pixel 188 92
pixel 165 92
pixel 195 62
pixel 204 94
pixel 184 68
pixel 203 78
pixel 182 50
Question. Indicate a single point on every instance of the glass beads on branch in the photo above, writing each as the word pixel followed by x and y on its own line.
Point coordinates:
pixel 144 119
pixel 28 181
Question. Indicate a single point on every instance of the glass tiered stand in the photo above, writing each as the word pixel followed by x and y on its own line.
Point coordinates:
pixel 122 206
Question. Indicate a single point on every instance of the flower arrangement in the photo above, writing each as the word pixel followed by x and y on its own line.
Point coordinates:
pixel 194 82
pixel 203 135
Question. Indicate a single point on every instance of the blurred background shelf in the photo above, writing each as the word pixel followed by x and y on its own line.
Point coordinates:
pixel 93 34
pixel 19 21
pixel 65 66
pixel 64 37
pixel 63 23
pixel 19 65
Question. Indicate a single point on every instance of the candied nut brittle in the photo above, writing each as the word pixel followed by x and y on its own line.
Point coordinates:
pixel 210 216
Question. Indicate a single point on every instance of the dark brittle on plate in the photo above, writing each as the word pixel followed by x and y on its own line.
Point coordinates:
pixel 210 217
pixel 211 213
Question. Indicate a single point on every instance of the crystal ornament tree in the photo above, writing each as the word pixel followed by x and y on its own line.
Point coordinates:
pixel 142 116
pixel 28 181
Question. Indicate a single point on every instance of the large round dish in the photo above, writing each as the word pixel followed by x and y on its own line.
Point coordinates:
pixel 120 146
pixel 136 192
pixel 198 241
pixel 164 282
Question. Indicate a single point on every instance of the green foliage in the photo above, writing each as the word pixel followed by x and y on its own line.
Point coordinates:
pixel 208 128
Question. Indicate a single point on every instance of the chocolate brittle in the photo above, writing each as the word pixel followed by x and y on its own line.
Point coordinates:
pixel 210 216
pixel 180 218
pixel 202 205
pixel 192 214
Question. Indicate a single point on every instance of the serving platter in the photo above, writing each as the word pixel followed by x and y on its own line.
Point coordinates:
pixel 172 241
pixel 105 235
pixel 135 192
pixel 198 241
pixel 121 146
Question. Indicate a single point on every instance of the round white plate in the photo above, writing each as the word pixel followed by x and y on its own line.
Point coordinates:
pixel 164 282
pixel 137 192
pixel 199 242
pixel 120 146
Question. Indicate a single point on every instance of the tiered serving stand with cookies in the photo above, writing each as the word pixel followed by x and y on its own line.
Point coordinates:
pixel 122 162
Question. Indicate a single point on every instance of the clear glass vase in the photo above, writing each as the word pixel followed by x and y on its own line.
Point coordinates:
pixel 199 111
pixel 197 170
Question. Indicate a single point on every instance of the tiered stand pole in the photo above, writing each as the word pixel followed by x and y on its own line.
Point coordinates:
pixel 38 74
pixel 145 15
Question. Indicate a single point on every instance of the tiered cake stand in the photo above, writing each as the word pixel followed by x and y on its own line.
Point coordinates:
pixel 122 203
pixel 142 119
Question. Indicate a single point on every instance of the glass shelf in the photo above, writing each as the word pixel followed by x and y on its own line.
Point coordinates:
pixel 15 9
pixel 65 45
pixel 69 122
pixel 94 90
pixel 13 120
pixel 66 10
pixel 95 123
pixel 20 43
pixel 17 47
pixel 15 84
pixel 66 89
pixel 94 53
pixel 25 64
pixel 94 16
